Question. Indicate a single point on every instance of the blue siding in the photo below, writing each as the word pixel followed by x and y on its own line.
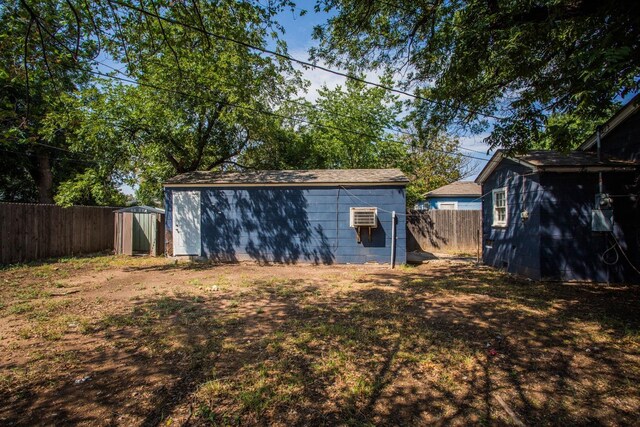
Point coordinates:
pixel 296 224
pixel 464 203
pixel 570 250
pixel 516 247
pixel 556 242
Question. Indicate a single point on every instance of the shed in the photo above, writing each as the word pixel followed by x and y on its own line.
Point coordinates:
pixel 288 216
pixel 139 230
pixel 459 195
pixel 543 216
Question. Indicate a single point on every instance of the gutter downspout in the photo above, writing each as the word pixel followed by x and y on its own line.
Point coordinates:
pixel 393 239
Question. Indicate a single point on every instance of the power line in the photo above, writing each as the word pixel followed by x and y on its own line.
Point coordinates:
pixel 270 113
pixel 317 108
pixel 288 57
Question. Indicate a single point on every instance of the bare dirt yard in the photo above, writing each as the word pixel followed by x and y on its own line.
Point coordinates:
pixel 141 341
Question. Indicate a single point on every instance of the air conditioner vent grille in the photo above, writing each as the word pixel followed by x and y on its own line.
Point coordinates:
pixel 363 217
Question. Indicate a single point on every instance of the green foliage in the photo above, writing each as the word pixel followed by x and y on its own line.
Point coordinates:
pixel 505 64
pixel 567 131
pixel 41 43
pixel 358 126
pixel 200 102
pixel 88 188
pixel 432 165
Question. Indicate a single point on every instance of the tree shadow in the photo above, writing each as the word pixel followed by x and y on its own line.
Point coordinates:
pixel 440 345
pixel 264 225
pixel 421 226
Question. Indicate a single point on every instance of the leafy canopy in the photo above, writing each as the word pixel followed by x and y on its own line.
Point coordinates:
pixel 357 126
pixel 198 102
pixel 501 65
pixel 41 43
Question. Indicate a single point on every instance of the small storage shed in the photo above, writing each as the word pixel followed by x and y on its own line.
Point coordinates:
pixel 459 195
pixel 139 230
pixel 312 216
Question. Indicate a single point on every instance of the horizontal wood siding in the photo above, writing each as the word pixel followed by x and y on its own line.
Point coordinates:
pixel 296 224
pixel 515 247
pixel 464 203
pixel 443 230
pixel 30 232
pixel 570 250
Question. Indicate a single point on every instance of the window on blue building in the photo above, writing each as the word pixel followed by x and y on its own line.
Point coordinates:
pixel 500 207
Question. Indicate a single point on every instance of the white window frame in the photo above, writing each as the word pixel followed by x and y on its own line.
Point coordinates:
pixel 455 205
pixel 495 222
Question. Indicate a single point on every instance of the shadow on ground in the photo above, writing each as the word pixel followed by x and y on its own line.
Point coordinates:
pixel 451 345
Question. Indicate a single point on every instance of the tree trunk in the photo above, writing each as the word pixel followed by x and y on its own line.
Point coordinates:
pixel 43 177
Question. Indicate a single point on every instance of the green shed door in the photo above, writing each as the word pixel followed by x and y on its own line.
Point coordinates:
pixel 144 228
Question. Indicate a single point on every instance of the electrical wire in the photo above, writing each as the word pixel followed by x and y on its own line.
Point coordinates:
pixel 57 158
pixel 288 57
pixel 603 256
pixel 316 108
pixel 269 113
pixel 624 254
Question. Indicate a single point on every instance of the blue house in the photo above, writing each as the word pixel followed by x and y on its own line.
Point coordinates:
pixel 459 195
pixel 567 216
pixel 311 216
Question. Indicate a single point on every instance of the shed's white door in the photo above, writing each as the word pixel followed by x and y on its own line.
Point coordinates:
pixel 186 223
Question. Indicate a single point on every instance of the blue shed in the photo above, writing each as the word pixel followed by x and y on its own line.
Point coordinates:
pixel 459 195
pixel 306 216
pixel 542 220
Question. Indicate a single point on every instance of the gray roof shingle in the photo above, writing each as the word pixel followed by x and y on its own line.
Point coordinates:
pixel 541 158
pixel 458 188
pixel 297 177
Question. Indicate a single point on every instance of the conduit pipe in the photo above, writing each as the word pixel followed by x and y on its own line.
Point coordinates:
pixel 393 239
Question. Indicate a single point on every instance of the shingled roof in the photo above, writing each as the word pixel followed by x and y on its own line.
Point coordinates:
pixel 291 177
pixel 550 158
pixel 458 188
pixel 555 161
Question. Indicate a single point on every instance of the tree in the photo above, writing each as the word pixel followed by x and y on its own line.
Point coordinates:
pixel 34 72
pixel 197 103
pixel 491 63
pixel 351 127
pixel 357 126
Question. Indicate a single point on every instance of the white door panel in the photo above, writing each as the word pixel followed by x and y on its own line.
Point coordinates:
pixel 186 223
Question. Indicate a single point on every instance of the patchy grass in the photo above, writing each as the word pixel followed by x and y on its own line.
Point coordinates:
pixel 136 341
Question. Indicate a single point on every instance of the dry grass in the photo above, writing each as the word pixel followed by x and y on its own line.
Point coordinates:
pixel 136 341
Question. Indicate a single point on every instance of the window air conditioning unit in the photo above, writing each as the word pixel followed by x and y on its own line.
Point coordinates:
pixel 363 217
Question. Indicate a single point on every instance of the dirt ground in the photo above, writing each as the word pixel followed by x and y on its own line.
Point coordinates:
pixel 140 341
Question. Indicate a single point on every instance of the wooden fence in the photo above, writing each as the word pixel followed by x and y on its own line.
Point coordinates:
pixel 30 232
pixel 443 230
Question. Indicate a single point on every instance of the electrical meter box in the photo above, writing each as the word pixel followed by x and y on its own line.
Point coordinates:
pixel 602 214
pixel 602 220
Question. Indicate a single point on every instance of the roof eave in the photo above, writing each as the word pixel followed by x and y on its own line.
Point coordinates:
pixel 596 168
pixel 426 196
pixel 495 161
pixel 286 184
pixel 613 122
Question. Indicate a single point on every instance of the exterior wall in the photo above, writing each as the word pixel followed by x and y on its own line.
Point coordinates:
pixel 569 249
pixel 624 141
pixel 464 203
pixel 516 247
pixel 295 224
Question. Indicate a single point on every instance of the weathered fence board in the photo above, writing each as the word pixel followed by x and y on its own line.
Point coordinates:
pixel 31 232
pixel 443 230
